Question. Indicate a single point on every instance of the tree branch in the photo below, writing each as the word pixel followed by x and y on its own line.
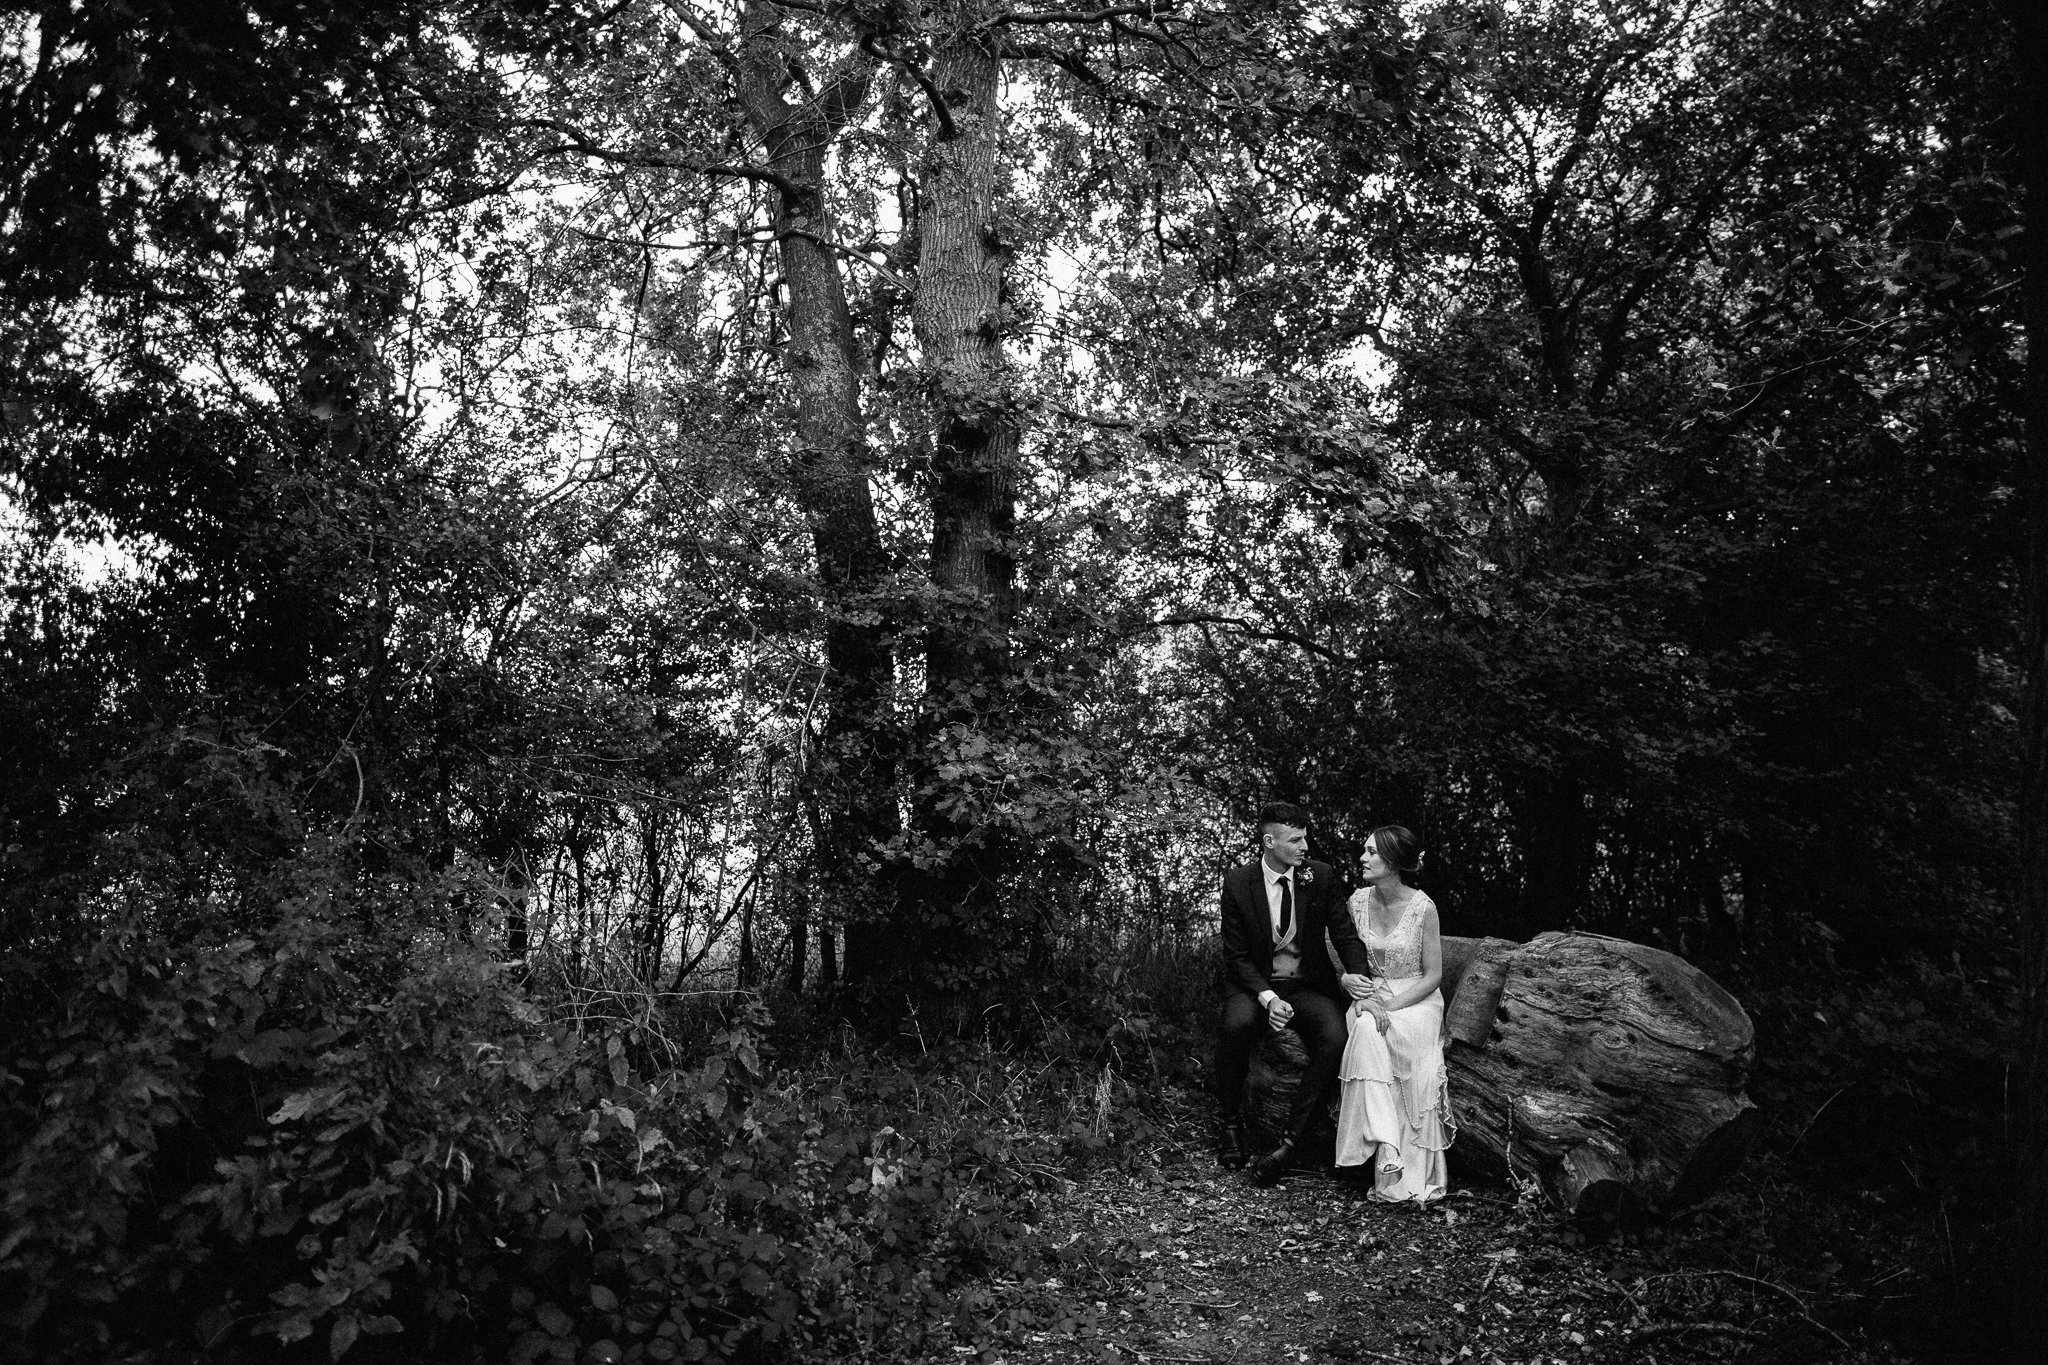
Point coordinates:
pixel 884 271
pixel 843 96
pixel 1244 627
pixel 706 34
pixel 1075 16
pixel 575 140
pixel 870 44
pixel 1073 63
pixel 757 235
pixel 1136 428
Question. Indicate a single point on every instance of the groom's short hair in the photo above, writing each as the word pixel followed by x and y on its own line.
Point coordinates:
pixel 1282 813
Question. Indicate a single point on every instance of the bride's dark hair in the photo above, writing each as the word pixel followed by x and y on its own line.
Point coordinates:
pixel 1399 846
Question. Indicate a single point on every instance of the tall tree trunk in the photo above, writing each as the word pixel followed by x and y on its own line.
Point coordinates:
pixel 2030 1323
pixel 749 970
pixel 799 943
pixel 854 770
pixel 505 839
pixel 654 922
pixel 959 318
pixel 958 315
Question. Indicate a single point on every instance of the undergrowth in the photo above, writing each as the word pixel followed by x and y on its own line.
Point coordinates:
pixel 340 1137
pixel 321 1141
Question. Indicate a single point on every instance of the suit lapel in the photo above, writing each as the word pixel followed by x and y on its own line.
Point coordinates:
pixel 1252 891
pixel 1313 906
pixel 1248 901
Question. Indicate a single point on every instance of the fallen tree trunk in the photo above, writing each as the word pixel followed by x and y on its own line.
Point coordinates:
pixel 1610 1072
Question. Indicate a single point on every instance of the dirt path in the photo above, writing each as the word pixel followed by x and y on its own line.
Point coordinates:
pixel 1184 1263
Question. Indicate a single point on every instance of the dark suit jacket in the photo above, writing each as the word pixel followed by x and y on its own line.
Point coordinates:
pixel 1319 897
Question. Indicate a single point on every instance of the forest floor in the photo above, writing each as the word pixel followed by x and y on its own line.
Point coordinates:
pixel 1181 1262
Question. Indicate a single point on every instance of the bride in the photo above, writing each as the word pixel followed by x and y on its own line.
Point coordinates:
pixel 1395 1110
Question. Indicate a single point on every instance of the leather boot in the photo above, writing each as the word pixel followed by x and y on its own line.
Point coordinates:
pixel 1232 1150
pixel 1275 1164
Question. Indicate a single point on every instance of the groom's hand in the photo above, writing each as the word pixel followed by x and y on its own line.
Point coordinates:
pixel 1357 985
pixel 1278 1012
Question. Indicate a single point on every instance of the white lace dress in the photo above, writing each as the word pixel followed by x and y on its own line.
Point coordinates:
pixel 1395 1107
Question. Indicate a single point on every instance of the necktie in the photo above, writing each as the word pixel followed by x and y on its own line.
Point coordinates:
pixel 1286 908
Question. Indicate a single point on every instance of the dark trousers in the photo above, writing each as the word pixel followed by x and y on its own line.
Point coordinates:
pixel 1320 1022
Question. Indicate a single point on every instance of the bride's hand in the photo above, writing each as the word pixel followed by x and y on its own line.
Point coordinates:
pixel 1379 1014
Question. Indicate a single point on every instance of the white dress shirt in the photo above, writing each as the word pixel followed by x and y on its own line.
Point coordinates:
pixel 1287 952
pixel 1273 880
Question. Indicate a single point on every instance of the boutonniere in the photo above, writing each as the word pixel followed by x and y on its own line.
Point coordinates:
pixel 1308 876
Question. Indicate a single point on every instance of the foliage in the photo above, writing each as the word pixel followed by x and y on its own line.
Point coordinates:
pixel 514 532
pixel 1633 516
pixel 1661 569
pixel 322 1130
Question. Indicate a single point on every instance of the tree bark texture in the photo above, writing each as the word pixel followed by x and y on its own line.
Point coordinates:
pixel 958 318
pixel 854 768
pixel 957 315
pixel 1610 1072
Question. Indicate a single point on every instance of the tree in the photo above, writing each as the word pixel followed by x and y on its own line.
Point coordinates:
pixel 855 770
pixel 835 103
pixel 1665 349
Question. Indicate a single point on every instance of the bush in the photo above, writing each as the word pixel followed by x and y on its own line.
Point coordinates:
pixel 318 1139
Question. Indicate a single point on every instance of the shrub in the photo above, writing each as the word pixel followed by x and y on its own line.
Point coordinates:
pixel 323 1138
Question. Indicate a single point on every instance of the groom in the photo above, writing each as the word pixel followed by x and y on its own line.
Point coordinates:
pixel 1277 974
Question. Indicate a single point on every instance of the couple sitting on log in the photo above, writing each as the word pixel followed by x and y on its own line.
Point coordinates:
pixel 1377 1027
